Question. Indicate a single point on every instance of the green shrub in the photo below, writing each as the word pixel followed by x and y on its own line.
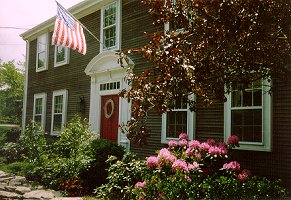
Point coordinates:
pixel 12 152
pixel 96 174
pixel 76 154
pixel 34 143
pixel 18 168
pixel 13 135
pixel 122 175
pixel 194 170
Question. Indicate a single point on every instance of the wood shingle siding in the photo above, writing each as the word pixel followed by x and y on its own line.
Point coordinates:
pixel 209 120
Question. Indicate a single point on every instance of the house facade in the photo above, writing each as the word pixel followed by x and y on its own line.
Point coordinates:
pixel 60 83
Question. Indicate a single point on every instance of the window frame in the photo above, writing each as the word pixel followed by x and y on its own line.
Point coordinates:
pixel 42 96
pixel 46 51
pixel 63 93
pixel 191 123
pixel 266 144
pixel 66 59
pixel 117 27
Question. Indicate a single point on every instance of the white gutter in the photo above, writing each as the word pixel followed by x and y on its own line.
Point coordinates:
pixel 25 88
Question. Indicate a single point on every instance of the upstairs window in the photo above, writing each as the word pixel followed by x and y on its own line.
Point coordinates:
pixel 39 108
pixel 42 53
pixel 110 19
pixel 179 120
pixel 174 24
pixel 59 111
pixel 61 56
pixel 248 115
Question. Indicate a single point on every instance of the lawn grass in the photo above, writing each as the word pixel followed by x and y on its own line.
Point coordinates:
pixel 4 129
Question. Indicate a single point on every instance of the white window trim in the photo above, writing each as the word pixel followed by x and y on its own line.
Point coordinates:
pixel 67 57
pixel 118 27
pixel 266 144
pixel 43 109
pixel 64 111
pixel 46 55
pixel 191 124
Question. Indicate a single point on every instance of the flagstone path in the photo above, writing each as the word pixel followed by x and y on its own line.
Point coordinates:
pixel 17 187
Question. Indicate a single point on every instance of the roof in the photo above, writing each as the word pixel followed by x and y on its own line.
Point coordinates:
pixel 80 10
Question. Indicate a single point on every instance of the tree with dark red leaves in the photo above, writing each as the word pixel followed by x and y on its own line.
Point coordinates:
pixel 208 48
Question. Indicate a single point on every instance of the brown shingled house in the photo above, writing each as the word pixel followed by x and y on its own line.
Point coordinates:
pixel 61 82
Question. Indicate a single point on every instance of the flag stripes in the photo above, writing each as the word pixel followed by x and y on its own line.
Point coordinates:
pixel 68 32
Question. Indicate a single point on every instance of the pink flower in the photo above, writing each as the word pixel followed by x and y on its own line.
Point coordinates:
pixel 197 155
pixel 211 142
pixel 234 166
pixel 189 151
pixel 172 143
pixel 193 166
pixel 152 161
pixel 183 136
pixel 233 140
pixel 183 142
pixel 244 175
pixel 222 144
pixel 204 146
pixel 217 150
pixel 165 156
pixel 180 165
pixel 194 144
pixel 140 184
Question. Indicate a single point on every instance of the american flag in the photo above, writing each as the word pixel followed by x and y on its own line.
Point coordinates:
pixel 68 32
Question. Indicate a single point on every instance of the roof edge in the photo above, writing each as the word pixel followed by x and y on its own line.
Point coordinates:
pixel 80 10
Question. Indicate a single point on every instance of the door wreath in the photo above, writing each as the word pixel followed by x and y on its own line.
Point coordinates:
pixel 107 111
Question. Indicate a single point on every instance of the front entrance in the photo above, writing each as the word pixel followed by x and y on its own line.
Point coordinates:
pixel 109 117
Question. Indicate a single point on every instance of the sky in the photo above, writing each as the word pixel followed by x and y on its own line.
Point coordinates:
pixel 23 14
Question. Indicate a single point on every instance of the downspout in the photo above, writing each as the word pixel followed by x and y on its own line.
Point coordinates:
pixel 25 87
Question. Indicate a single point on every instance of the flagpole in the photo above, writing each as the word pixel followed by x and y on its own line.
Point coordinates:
pixel 81 24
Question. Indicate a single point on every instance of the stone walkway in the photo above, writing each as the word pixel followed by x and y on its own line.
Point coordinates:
pixel 17 187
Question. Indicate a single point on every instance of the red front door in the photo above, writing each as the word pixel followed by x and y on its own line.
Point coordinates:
pixel 109 117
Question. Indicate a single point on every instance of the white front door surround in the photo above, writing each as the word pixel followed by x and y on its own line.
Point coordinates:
pixel 104 69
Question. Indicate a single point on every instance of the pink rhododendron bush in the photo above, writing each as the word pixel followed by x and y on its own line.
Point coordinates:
pixel 201 170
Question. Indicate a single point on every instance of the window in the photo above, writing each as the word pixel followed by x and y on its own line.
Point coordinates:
pixel 110 19
pixel 110 86
pixel 179 120
pixel 248 115
pixel 174 24
pixel 42 53
pixel 61 56
pixel 59 110
pixel 39 108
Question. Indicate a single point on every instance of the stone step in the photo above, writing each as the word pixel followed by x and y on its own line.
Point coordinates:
pixel 17 187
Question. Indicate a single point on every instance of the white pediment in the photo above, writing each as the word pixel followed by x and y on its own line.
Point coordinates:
pixel 104 62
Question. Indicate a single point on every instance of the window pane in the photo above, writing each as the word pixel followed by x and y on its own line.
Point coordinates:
pixel 176 123
pixel 60 54
pixel 41 59
pixel 257 97
pixel 41 45
pixel 37 120
pixel 236 99
pixel 247 98
pixel 58 104
pixel 110 16
pixel 57 122
pixel 180 103
pixel 110 36
pixel 38 106
pixel 247 124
